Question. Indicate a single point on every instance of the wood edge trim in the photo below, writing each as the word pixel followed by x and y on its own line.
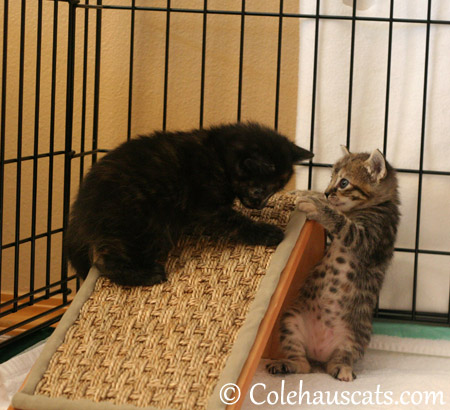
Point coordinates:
pixel 275 304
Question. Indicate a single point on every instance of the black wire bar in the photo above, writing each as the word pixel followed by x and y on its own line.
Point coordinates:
pixel 84 91
pixel 36 147
pixel 34 329
pixel 52 152
pixel 422 149
pixel 19 149
pixel 68 138
pixel 3 121
pixel 203 70
pixel 98 45
pixel 314 91
pixel 264 14
pixel 166 67
pixel 388 77
pixel 278 75
pixel 241 62
pixel 131 66
pixel 37 291
pixel 33 318
pixel 426 318
pixel 350 81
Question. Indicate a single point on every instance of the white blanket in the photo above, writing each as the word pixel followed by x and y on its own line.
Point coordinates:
pixel 14 371
pixel 384 378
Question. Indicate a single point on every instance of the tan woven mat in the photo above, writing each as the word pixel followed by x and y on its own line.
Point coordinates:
pixel 164 346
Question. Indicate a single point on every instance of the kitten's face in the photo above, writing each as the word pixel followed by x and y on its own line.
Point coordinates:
pixel 360 180
pixel 261 164
pixel 255 187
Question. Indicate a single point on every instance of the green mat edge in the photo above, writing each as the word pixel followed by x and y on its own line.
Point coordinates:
pixel 411 330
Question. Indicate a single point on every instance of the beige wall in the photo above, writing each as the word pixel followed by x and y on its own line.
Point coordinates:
pixel 183 110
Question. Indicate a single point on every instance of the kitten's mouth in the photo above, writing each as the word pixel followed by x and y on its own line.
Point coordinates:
pixel 335 202
pixel 254 203
pixel 340 206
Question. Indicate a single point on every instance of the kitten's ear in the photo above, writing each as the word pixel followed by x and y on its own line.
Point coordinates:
pixel 257 164
pixel 345 150
pixel 376 165
pixel 300 154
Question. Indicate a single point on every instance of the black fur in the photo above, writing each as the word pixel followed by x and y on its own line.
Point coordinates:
pixel 135 202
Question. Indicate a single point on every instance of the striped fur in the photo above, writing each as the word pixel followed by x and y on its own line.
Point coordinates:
pixel 331 321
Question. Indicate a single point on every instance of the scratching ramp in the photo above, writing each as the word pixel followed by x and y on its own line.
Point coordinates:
pixel 173 345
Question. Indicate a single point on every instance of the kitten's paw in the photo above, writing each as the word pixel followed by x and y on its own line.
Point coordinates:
pixel 288 366
pixel 307 206
pixel 344 373
pixel 271 235
pixel 312 204
pixel 152 275
pixel 304 193
pixel 155 276
pixel 155 280
pixel 261 234
pixel 133 276
pixel 280 367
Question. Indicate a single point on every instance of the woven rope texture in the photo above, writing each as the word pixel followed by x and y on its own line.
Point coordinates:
pixel 165 345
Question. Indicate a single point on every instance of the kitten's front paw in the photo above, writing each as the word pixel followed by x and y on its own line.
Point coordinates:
pixel 261 234
pixel 271 235
pixel 153 275
pixel 310 205
pixel 311 202
pixel 303 193
pixel 306 205
pixel 155 280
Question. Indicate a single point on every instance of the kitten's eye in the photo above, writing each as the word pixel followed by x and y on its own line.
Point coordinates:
pixel 343 183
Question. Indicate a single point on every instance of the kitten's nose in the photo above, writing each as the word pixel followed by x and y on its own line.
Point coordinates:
pixel 327 194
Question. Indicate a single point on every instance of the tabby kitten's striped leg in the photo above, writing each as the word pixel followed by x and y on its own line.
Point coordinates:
pixel 340 365
pixel 292 334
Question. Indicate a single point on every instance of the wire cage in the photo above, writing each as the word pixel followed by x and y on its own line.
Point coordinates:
pixel 78 77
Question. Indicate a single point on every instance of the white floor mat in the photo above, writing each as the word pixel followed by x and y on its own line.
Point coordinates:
pixel 396 376
pixel 14 371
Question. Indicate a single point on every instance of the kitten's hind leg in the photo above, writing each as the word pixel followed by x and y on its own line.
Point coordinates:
pixel 292 338
pixel 340 365
pixel 293 364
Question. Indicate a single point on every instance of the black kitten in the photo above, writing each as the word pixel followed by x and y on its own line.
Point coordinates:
pixel 134 203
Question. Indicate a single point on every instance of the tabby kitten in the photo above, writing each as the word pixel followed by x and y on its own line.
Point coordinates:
pixel 331 321
pixel 136 201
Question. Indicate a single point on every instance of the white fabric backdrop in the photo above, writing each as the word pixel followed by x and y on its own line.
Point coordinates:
pixel 404 129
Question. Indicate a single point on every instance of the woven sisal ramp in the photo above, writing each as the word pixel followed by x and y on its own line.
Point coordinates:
pixel 174 345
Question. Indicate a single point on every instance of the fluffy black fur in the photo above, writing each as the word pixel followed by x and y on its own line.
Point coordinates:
pixel 135 202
